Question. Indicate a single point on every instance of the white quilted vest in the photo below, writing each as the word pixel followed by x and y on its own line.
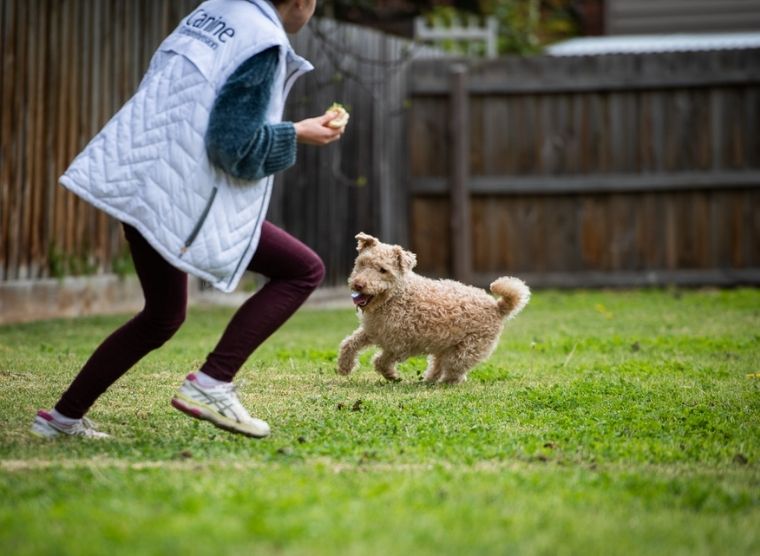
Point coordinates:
pixel 148 166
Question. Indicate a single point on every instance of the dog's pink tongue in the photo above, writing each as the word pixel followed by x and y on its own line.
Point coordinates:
pixel 358 298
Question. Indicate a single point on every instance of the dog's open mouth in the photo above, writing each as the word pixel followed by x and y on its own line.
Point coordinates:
pixel 360 299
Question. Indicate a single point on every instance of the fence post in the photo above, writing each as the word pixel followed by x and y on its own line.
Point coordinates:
pixel 459 199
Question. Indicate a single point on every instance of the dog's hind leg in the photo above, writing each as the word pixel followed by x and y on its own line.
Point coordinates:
pixel 384 364
pixel 456 363
pixel 433 372
pixel 453 372
pixel 350 348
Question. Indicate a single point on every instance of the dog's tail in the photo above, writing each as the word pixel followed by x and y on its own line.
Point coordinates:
pixel 514 295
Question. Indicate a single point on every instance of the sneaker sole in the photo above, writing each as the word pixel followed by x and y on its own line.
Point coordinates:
pixel 205 413
pixel 41 429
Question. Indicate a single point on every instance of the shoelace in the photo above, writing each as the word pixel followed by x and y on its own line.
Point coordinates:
pixel 233 387
pixel 84 426
pixel 225 386
pixel 87 424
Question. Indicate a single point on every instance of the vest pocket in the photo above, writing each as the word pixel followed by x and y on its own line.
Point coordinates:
pixel 199 224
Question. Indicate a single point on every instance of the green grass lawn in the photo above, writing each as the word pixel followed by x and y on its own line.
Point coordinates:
pixel 604 423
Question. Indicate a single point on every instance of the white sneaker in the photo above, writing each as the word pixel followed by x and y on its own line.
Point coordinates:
pixel 45 426
pixel 219 405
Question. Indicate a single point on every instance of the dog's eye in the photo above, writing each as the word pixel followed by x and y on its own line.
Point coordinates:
pixel 383 270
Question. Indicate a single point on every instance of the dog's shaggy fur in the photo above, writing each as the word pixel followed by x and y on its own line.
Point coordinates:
pixel 406 314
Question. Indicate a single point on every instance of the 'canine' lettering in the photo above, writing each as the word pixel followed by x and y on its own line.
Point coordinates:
pixel 215 26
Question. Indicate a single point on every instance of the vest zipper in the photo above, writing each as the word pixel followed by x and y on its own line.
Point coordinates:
pixel 264 203
pixel 199 224
pixel 289 80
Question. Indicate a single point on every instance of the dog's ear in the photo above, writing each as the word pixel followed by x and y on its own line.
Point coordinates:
pixel 406 259
pixel 364 241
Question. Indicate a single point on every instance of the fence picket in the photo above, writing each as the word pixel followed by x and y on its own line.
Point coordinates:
pixel 621 169
pixel 616 165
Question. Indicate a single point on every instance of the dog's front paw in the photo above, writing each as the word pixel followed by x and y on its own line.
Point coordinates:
pixel 452 380
pixel 431 377
pixel 345 369
pixel 346 362
pixel 391 375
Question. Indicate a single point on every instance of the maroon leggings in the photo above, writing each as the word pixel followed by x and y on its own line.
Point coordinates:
pixel 294 271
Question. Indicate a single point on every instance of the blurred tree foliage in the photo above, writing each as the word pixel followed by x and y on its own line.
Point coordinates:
pixel 527 25
pixel 524 25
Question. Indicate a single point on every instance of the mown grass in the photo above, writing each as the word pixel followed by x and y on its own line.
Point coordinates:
pixel 605 423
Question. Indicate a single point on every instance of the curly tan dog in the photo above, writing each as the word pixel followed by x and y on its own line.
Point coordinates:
pixel 406 314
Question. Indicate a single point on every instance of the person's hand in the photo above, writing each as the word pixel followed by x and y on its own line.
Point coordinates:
pixel 315 131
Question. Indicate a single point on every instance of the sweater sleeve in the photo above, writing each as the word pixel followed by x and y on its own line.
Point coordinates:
pixel 238 139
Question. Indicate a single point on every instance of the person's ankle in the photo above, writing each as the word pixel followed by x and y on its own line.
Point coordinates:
pixel 206 381
pixel 62 419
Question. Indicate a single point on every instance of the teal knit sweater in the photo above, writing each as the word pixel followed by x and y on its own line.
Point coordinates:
pixel 238 139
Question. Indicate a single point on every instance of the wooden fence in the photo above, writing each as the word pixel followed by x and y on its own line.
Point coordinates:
pixel 609 170
pixel 632 169
pixel 360 184
pixel 68 65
